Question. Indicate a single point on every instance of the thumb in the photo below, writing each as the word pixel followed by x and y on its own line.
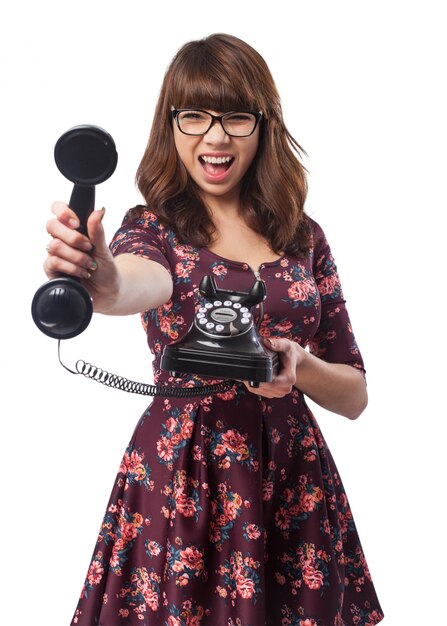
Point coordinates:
pixel 279 344
pixel 96 230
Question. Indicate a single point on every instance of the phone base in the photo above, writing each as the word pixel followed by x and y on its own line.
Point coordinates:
pixel 255 368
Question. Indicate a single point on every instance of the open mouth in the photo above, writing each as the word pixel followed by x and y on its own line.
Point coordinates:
pixel 216 166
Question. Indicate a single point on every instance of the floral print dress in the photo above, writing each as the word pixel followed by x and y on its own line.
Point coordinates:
pixel 228 509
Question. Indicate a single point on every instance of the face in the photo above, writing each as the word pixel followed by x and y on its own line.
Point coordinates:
pixel 221 180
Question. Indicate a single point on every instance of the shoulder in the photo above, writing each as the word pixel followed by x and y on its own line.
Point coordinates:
pixel 316 231
pixel 142 216
pixel 318 239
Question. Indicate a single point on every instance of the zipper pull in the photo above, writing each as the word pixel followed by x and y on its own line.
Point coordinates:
pixel 257 272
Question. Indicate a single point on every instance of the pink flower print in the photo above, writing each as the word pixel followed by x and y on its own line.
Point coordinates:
pixel 283 327
pixel 174 621
pixel 215 534
pixel 245 587
pixel 186 506
pixel 230 510
pixel 328 285
pixel 95 573
pixel 307 503
pixel 228 395
pixel 170 424
pixel 183 270
pixel 233 439
pixel 184 251
pixel 219 270
pixel 153 548
pixel 276 437
pixel 225 463
pixel 193 558
pixel 152 600
pixel 288 495
pixel 176 439
pixel 300 290
pixel 282 519
pixel 187 428
pixel 267 490
pixel 253 531
pixel 165 449
pixel 312 577
pixel 220 450
pixel 128 532
pixel 221 520
pixel 307 622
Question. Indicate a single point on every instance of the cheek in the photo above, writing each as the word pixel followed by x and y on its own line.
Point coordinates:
pixel 184 148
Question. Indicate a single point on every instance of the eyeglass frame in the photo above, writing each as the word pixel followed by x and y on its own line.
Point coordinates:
pixel 175 113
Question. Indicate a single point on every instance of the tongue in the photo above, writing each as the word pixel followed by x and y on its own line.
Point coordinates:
pixel 215 168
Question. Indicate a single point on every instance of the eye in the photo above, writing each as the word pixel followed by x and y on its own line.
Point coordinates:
pixel 239 117
pixel 192 116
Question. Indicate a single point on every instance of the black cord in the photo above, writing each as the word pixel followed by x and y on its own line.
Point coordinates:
pixel 123 384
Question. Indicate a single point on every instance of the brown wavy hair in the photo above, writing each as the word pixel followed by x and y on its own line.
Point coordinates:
pixel 223 73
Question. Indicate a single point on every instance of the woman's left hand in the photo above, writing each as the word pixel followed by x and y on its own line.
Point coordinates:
pixel 290 356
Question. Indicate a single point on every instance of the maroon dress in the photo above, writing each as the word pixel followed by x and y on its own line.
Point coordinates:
pixel 229 509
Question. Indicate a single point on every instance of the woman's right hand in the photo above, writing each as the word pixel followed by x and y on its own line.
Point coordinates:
pixel 88 258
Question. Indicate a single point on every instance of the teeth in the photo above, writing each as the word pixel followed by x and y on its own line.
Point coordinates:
pixel 209 159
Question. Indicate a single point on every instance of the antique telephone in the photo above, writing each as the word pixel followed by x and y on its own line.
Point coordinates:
pixel 222 341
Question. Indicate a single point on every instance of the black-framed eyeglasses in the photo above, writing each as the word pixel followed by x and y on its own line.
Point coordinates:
pixel 198 122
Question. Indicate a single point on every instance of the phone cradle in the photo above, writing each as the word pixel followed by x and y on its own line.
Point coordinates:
pixel 222 341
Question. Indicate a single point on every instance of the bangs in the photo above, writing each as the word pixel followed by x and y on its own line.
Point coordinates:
pixel 206 83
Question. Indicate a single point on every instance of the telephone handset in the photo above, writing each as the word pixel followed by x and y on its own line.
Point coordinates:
pixel 222 341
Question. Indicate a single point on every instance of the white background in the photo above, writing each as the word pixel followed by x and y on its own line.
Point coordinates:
pixel 362 85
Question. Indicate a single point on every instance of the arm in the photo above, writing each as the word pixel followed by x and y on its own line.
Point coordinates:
pixel 142 285
pixel 332 373
pixel 120 285
pixel 336 387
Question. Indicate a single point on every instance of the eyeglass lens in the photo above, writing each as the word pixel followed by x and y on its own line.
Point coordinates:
pixel 199 122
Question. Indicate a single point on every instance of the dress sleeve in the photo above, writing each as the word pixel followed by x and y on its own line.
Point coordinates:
pixel 334 340
pixel 141 234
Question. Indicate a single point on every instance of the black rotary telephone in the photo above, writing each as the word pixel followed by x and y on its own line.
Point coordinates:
pixel 222 341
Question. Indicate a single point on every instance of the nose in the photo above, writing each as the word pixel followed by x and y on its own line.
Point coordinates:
pixel 216 134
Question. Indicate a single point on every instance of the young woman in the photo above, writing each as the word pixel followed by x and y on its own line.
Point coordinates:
pixel 227 509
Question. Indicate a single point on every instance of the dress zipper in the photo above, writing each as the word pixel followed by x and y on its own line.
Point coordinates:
pixel 260 306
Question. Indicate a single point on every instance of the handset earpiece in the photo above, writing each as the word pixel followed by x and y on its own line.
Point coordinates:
pixel 86 155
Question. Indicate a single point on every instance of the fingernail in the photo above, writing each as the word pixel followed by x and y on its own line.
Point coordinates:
pixel 92 265
pixel 85 274
pixel 73 223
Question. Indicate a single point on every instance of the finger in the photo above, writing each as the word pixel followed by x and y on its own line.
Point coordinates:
pixel 96 232
pixel 64 214
pixel 73 238
pixel 58 248
pixel 54 266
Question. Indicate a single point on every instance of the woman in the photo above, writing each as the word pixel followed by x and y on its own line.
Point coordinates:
pixel 227 509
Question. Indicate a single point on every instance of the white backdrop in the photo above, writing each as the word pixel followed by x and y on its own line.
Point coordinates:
pixel 362 86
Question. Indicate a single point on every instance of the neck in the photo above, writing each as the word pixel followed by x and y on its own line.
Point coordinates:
pixel 224 209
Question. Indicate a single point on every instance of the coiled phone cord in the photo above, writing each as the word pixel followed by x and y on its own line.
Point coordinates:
pixel 119 382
